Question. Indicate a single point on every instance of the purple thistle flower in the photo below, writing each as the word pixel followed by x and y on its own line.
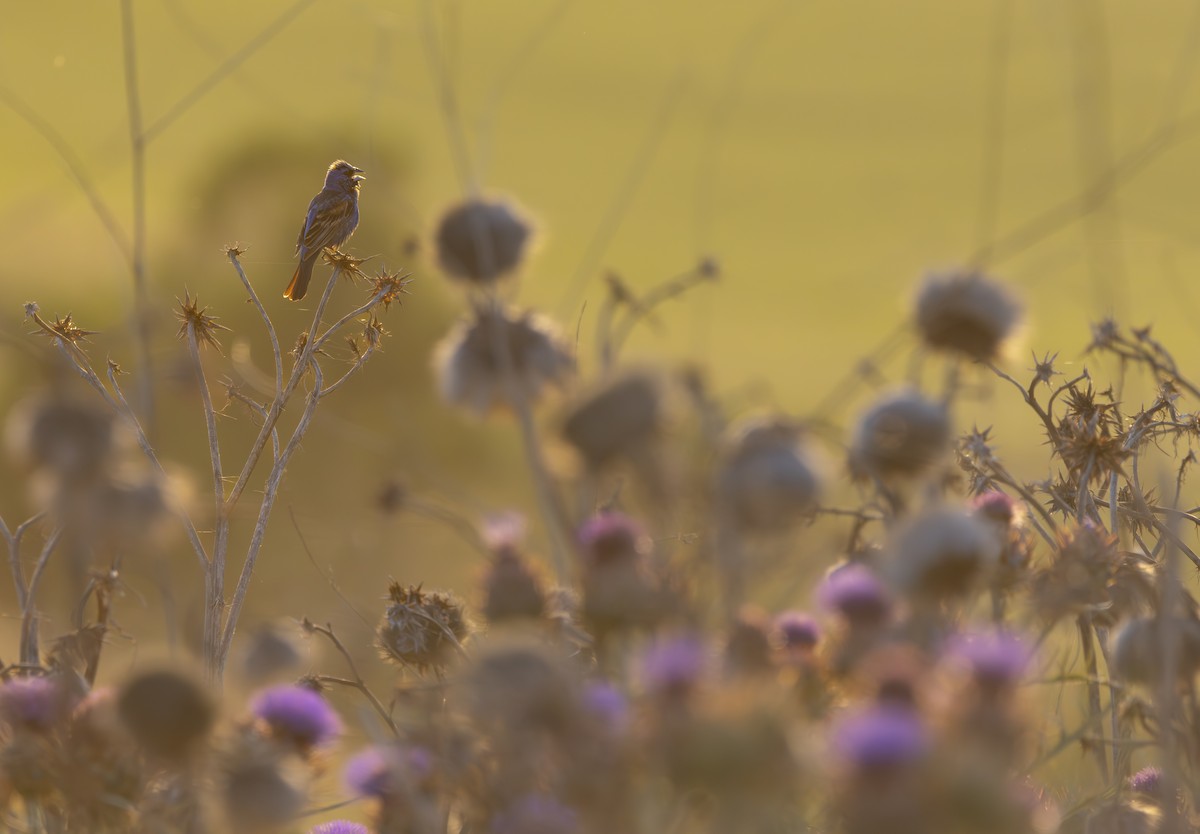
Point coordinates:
pixel 674 664
pixel 612 536
pixel 856 593
pixel 380 772
pixel 297 713
pixel 996 506
pixel 797 630
pixel 1147 781
pixel 535 814
pixel 34 703
pixel 607 703
pixel 340 827
pixel 996 660
pixel 880 737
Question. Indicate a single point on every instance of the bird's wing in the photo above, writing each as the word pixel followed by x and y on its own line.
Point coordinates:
pixel 326 216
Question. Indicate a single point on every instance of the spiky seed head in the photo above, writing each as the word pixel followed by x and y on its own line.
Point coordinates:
pixel 423 629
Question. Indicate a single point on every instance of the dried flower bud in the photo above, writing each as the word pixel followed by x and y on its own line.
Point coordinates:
pixel 767 480
pixel 901 435
pixel 518 684
pixel 482 241
pixel 619 588
pixel 942 553
pixel 967 313
pixel 619 418
pixel 512 589
pixel 168 713
pixel 470 373
pixel 421 629
pixel 70 437
pixel 1140 649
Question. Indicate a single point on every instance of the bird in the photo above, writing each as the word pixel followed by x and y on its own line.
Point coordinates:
pixel 332 217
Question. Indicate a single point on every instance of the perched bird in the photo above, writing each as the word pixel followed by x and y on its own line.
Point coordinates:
pixel 332 218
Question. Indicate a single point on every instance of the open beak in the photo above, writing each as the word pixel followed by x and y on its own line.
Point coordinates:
pixel 358 175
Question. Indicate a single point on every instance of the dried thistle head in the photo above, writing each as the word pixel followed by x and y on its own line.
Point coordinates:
pixel 1140 652
pixel 260 787
pixel 520 686
pixel 196 320
pixel 168 713
pixel 966 312
pixel 767 480
pixel 482 241
pixel 902 435
pixel 389 287
pixel 942 553
pixel 348 265
pixel 1079 572
pixel 471 373
pixel 619 418
pixel 422 629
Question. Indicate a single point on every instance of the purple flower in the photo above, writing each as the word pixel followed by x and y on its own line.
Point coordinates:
pixel 856 593
pixel 880 737
pixel 674 664
pixel 996 506
pixel 607 703
pixel 1147 781
pixel 535 814
pixel 297 713
pixel 797 630
pixel 340 827
pixel 380 772
pixel 612 536
pixel 996 659
pixel 34 703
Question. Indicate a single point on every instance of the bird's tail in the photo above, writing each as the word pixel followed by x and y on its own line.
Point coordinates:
pixel 299 286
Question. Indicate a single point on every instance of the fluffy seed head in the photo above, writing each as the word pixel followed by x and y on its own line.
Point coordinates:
pixel 942 553
pixel 482 241
pixel 297 715
pixel 767 481
pixel 901 435
pixel 470 372
pixel 967 313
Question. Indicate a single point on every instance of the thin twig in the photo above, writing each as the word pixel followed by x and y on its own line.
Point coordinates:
pixel 357 682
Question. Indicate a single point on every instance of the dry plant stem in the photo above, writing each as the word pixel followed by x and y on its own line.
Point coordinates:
pixel 137 146
pixel 270 492
pixel 357 682
pixel 254 406
pixel 13 540
pixel 358 363
pixel 29 638
pixel 657 296
pixel 1093 687
pixel 262 312
pixel 282 397
pixel 553 513
pixel 214 576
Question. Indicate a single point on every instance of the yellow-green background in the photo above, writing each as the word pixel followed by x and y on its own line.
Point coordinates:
pixel 826 154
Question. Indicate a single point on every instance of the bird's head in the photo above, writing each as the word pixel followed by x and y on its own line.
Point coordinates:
pixel 343 175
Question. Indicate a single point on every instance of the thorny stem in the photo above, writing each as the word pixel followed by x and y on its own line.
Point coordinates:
pixel 214 590
pixel 357 682
pixel 262 312
pixel 13 540
pixel 1093 687
pixel 29 640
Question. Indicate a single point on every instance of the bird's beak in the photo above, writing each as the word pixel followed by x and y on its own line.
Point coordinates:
pixel 358 175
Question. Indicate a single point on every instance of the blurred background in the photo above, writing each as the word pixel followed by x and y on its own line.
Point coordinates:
pixel 826 155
